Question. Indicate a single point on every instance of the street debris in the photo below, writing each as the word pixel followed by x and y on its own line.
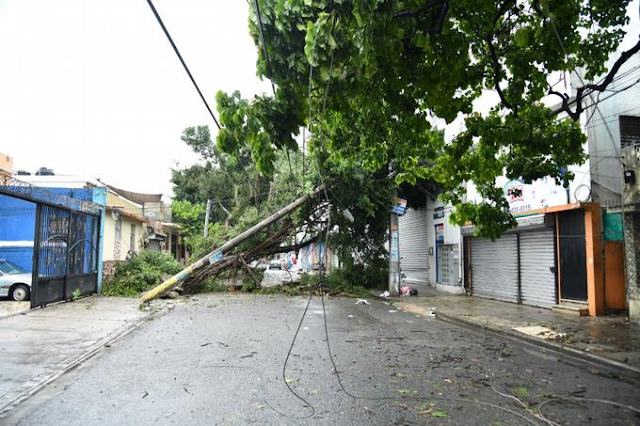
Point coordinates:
pixel 541 332
pixel 350 316
pixel 362 302
pixel 385 294
pixel 393 311
pixel 407 290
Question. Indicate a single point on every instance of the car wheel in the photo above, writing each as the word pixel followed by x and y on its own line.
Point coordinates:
pixel 20 293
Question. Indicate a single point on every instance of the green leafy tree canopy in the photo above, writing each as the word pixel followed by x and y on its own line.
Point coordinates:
pixel 369 78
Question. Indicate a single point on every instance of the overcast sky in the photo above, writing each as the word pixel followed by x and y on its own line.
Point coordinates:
pixel 94 88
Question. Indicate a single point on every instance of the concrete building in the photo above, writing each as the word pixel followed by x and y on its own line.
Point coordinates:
pixel 572 250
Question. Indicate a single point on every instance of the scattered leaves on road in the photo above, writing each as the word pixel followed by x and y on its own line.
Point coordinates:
pixel 439 413
pixel 521 391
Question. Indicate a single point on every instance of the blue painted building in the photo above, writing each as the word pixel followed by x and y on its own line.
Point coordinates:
pixel 18 220
pixel 17 230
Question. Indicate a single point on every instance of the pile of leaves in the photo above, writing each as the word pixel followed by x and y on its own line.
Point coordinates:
pixel 144 271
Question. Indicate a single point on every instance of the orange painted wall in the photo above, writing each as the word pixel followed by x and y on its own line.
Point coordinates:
pixel 615 291
pixel 595 270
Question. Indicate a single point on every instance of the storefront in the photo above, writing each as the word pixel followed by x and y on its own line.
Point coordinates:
pixel 554 257
pixel 518 267
pixel 414 250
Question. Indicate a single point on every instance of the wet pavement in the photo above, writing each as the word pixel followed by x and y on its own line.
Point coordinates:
pixel 218 360
pixel 611 337
pixel 10 307
pixel 37 346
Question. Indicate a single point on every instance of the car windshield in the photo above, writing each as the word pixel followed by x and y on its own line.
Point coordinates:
pixel 10 268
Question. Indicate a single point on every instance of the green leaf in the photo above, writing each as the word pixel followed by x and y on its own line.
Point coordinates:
pixel 439 413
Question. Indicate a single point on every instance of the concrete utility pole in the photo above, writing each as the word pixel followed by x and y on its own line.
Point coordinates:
pixel 217 255
pixel 206 218
pixel 394 256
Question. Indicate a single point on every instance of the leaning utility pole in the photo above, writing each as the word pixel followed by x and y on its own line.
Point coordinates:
pixel 216 255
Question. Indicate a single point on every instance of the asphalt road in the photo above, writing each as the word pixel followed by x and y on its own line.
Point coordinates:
pixel 218 360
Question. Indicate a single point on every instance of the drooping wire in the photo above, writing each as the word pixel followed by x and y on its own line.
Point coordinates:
pixel 270 71
pixel 395 398
pixel 286 361
pixel 186 68
pixel 595 104
pixel 264 45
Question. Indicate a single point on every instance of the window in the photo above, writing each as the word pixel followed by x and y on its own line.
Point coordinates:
pixel 10 268
pixel 629 131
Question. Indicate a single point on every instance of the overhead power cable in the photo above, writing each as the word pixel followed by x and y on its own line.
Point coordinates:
pixel 264 45
pixel 186 68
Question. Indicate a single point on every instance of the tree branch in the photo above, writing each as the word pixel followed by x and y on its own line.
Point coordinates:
pixel 419 11
pixel 227 222
pixel 601 87
pixel 292 247
pixel 497 76
pixel 438 18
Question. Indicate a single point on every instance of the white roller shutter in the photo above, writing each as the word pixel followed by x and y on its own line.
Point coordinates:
pixel 414 246
pixel 537 256
pixel 494 268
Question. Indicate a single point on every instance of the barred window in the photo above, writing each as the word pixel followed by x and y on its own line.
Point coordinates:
pixel 629 131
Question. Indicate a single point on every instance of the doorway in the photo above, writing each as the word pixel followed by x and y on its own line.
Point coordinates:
pixel 573 255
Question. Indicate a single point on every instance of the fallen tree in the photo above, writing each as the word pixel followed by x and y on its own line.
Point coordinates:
pixel 219 260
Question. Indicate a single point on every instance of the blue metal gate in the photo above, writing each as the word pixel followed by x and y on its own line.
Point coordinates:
pixel 66 244
pixel 66 258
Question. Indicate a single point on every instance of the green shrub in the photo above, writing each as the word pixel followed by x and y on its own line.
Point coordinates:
pixel 338 280
pixel 143 272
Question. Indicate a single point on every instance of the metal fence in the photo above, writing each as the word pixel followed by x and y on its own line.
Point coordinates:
pixel 65 255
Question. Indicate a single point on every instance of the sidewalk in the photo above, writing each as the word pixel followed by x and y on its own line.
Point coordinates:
pixel 41 344
pixel 610 340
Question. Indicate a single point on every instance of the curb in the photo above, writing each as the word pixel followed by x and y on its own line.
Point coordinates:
pixel 630 372
pixel 71 363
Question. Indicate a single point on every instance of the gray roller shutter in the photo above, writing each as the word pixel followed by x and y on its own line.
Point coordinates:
pixel 494 268
pixel 537 256
pixel 414 247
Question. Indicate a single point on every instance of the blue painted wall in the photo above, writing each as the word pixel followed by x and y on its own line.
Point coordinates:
pixel 17 224
pixel 100 197
pixel 17 230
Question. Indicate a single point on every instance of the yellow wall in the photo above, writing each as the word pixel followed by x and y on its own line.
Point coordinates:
pixel 125 235
pixel 114 201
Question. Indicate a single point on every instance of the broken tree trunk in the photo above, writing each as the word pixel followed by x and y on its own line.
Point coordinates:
pixel 218 254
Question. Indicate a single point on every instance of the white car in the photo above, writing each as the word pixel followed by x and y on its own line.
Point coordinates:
pixel 15 282
pixel 276 275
